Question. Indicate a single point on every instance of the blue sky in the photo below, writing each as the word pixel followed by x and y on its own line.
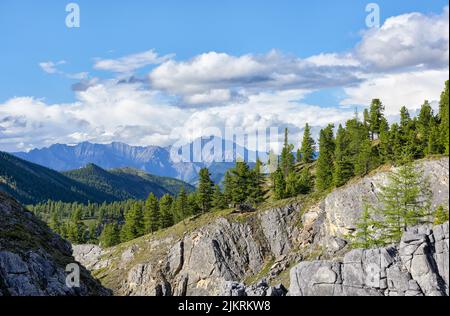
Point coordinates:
pixel 219 50
pixel 32 32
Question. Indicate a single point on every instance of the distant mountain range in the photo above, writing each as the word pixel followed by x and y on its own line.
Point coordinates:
pixel 31 183
pixel 151 159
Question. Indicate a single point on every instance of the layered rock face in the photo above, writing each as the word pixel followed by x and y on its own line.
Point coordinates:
pixel 418 266
pixel 33 259
pixel 203 262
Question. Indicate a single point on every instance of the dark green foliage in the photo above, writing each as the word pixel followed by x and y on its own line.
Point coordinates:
pixel 218 199
pixel 205 190
pixel 287 158
pixel 308 146
pixel 324 171
pixel 279 184
pixel 151 214
pixel 343 166
pixel 426 123
pixel 243 185
pixel 134 224
pixel 76 229
pixel 181 207
pixel 444 119
pixel 165 206
pixel 110 235
pixel 375 118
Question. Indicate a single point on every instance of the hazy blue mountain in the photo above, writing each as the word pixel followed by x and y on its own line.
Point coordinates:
pixel 151 159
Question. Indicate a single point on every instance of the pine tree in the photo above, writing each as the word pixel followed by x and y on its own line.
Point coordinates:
pixel 364 158
pixel 434 145
pixel 425 123
pixel 444 118
pixel 308 146
pixel 375 117
pixel 205 190
pixel 256 183
pixel 385 146
pixel 110 235
pixel 324 172
pixel 279 184
pixel 343 168
pixel 242 181
pixel 286 158
pixel 151 214
pixel 405 202
pixel 165 206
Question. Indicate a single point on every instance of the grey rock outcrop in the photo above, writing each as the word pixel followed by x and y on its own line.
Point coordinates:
pixel 334 217
pixel 33 259
pixel 202 262
pixel 416 267
pixel 262 288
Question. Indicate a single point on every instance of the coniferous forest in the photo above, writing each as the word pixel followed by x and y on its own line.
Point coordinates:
pixel 354 149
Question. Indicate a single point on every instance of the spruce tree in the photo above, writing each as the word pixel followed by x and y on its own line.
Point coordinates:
pixel 425 124
pixel 151 214
pixel 205 190
pixel 324 169
pixel 308 146
pixel 385 146
pixel 165 206
pixel 364 158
